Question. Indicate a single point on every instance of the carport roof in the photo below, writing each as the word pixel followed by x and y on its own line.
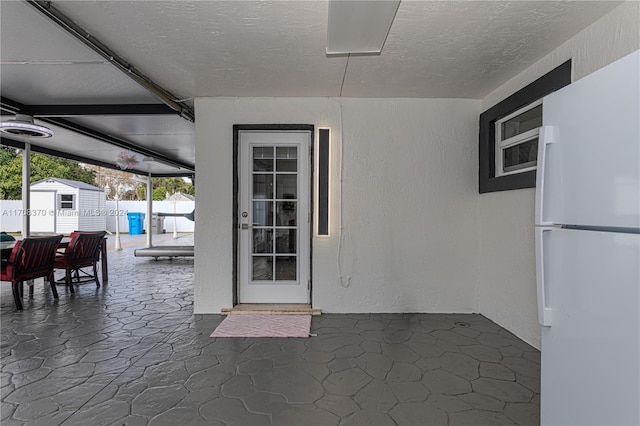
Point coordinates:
pixel 95 110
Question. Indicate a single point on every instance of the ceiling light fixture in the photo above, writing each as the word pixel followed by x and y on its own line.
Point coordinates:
pixel 23 126
pixel 359 26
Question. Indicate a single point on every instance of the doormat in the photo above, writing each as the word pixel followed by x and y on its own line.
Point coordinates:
pixel 250 325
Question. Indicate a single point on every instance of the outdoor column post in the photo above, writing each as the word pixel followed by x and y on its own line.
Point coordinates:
pixel 118 243
pixel 26 199
pixel 175 228
pixel 149 209
pixel 26 191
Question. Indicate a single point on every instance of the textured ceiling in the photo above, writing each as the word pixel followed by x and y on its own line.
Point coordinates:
pixel 440 49
pixel 458 49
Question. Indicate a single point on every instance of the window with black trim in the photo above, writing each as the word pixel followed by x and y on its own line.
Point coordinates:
pixel 509 134
pixel 66 201
pixel 517 140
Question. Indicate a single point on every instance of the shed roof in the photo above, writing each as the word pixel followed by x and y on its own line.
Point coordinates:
pixel 71 183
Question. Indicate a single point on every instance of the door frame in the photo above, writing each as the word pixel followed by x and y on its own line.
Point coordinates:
pixel 237 128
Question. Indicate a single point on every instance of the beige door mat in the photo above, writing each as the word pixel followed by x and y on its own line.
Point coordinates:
pixel 272 309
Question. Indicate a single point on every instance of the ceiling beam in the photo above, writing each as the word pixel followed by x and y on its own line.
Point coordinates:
pixel 11 106
pixel 171 175
pixel 101 49
pixel 109 109
pixel 14 107
pixel 48 151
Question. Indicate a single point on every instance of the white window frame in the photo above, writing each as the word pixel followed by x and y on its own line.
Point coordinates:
pixel 501 145
pixel 60 202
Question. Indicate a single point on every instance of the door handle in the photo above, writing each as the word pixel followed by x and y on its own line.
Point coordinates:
pixel 544 311
pixel 547 137
pixel 245 226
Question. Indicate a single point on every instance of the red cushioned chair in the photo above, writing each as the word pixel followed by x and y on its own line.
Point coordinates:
pixel 82 251
pixel 30 258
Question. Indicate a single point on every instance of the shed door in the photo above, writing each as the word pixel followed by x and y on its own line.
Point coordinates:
pixel 43 207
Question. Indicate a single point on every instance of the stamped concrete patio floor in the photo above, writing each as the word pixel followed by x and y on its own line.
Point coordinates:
pixel 133 353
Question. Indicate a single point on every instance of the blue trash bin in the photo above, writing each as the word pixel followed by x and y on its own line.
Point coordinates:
pixel 136 223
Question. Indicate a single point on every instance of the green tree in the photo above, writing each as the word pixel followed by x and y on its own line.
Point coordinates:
pixel 159 193
pixel 135 190
pixel 10 174
pixel 42 167
pixel 164 186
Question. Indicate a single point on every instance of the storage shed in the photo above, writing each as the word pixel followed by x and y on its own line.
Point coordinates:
pixel 63 206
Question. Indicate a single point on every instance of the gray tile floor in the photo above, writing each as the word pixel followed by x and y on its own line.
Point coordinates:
pixel 132 353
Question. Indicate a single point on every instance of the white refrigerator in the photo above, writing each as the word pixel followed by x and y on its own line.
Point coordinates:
pixel 588 249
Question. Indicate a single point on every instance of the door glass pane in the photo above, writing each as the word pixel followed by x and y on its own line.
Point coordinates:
pixel 263 159
pixel 286 213
pixel 286 159
pixel 528 120
pixel 521 156
pixel 262 213
pixel 262 268
pixel 274 215
pixel 262 187
pixel 287 187
pixel 285 268
pixel 286 241
pixel 262 241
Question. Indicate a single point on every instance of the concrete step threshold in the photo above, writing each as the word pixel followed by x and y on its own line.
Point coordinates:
pixel 271 309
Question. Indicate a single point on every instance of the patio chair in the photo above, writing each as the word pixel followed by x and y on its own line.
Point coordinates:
pixel 83 251
pixel 30 258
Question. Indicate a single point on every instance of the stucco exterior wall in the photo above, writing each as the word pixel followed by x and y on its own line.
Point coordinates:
pixel 403 201
pixel 507 288
pixel 415 236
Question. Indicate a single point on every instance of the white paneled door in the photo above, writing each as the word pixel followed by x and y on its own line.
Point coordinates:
pixel 274 201
pixel 43 205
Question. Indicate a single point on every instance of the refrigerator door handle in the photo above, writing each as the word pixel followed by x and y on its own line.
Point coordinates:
pixel 547 136
pixel 544 312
